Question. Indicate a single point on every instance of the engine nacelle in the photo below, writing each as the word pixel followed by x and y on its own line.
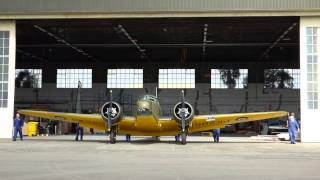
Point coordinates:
pixel 115 111
pixel 179 112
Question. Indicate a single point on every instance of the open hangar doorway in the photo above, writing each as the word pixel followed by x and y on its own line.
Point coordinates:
pixel 254 46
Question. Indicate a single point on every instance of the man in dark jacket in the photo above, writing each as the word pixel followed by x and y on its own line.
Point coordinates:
pixel 17 127
pixel 79 131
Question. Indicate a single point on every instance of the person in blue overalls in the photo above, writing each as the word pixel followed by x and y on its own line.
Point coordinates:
pixel 216 135
pixel 79 131
pixel 177 137
pixel 128 137
pixel 17 127
pixel 293 126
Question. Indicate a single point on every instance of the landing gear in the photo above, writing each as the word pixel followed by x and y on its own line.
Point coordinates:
pixel 183 138
pixel 157 138
pixel 112 136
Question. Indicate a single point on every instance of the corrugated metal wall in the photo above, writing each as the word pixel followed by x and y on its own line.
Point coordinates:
pixel 123 6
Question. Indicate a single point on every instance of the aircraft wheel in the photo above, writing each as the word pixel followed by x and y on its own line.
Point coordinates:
pixel 183 138
pixel 112 137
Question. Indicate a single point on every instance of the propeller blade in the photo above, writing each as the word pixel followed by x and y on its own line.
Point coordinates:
pixel 109 112
pixel 183 123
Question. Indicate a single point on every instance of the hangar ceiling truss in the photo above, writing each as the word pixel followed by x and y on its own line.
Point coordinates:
pixel 164 40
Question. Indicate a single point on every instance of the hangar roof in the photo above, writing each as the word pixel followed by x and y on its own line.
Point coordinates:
pixel 11 9
pixel 161 40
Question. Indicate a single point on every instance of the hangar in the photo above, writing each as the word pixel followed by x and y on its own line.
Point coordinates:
pixel 89 40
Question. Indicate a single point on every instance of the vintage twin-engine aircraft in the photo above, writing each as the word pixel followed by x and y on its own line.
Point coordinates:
pixel 148 122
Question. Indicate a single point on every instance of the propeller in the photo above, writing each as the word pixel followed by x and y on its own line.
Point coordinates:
pixel 183 112
pixel 109 112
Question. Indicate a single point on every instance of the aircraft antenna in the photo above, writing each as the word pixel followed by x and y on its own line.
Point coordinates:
pixel 156 91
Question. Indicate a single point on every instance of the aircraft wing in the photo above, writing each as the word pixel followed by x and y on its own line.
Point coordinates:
pixel 208 122
pixel 86 120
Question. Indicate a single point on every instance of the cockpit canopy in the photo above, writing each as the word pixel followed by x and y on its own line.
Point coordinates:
pixel 148 98
pixel 147 105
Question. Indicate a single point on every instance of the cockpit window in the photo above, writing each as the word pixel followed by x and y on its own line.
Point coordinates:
pixel 152 99
pixel 149 98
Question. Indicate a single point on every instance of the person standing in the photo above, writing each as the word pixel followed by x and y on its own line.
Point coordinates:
pixel 293 126
pixel 79 131
pixel 177 137
pixel 17 127
pixel 128 137
pixel 216 135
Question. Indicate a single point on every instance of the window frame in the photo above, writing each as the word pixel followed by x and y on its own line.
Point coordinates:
pixel 176 78
pixel 124 78
pixel 69 78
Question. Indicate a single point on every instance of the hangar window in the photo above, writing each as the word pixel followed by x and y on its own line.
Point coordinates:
pixel 125 78
pixel 4 67
pixel 282 78
pixel 28 78
pixel 229 78
pixel 313 35
pixel 177 78
pixel 69 78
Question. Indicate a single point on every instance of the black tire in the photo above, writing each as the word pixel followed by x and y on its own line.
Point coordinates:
pixel 112 137
pixel 184 138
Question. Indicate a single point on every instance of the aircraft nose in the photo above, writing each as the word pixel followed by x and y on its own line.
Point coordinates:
pixel 144 106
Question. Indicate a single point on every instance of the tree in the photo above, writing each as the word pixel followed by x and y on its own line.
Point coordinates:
pixel 229 77
pixel 25 79
pixel 277 78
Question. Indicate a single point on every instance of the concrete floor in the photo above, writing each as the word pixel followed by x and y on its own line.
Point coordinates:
pixel 59 157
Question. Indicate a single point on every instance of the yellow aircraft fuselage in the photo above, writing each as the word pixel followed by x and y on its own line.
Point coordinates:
pixel 147 121
pixel 149 126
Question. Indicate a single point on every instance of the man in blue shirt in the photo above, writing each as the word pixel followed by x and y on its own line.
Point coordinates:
pixel 17 127
pixel 216 135
pixel 293 126
pixel 79 131
pixel 128 137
